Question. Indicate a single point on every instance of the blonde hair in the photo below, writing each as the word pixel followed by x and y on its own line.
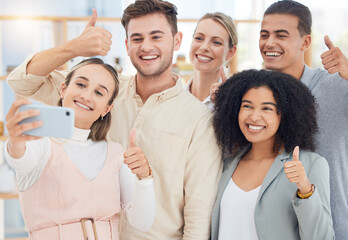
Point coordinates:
pixel 225 21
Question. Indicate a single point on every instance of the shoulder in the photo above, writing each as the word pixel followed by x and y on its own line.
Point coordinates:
pixel 192 103
pixel 124 82
pixel 312 159
pixel 323 75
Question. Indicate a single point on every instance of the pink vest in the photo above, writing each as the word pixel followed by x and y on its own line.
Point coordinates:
pixel 53 207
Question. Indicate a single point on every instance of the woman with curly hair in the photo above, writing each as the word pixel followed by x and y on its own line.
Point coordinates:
pixel 273 186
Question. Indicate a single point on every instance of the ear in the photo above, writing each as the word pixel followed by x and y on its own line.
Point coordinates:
pixel 306 42
pixel 177 41
pixel 107 109
pixel 62 90
pixel 231 53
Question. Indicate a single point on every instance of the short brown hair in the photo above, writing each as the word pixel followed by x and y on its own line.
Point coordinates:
pixel 100 127
pixel 290 7
pixel 145 7
pixel 225 21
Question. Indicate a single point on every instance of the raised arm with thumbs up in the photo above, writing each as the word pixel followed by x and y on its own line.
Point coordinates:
pixel 296 173
pixel 135 158
pixel 334 60
pixel 93 41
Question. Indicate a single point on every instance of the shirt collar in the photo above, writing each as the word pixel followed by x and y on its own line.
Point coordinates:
pixel 165 94
pixel 207 101
pixel 307 75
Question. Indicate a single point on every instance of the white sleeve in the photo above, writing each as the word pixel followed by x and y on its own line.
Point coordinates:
pixel 29 167
pixel 137 199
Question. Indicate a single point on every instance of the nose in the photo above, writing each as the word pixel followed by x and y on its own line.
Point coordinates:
pixel 270 42
pixel 204 46
pixel 87 94
pixel 255 116
pixel 146 45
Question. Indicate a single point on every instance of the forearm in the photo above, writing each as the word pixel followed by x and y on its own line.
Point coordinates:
pixel 314 214
pixel 44 89
pixel 28 168
pixel 49 60
pixel 137 200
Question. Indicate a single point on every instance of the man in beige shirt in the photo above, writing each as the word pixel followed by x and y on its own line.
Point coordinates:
pixel 173 129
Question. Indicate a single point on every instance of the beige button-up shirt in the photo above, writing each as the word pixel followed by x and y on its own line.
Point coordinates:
pixel 174 131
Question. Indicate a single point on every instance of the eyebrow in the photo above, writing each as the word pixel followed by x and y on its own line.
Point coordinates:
pixel 277 31
pixel 100 85
pixel 264 103
pixel 151 33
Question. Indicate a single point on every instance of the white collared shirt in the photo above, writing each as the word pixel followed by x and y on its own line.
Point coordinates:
pixel 207 102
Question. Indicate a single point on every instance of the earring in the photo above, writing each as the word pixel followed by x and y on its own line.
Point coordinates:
pixel 102 117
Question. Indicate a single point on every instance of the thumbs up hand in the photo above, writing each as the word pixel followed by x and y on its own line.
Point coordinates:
pixel 93 41
pixel 334 60
pixel 215 86
pixel 295 172
pixel 135 158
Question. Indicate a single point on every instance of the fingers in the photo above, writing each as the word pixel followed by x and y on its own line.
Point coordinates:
pixel 213 88
pixel 14 107
pixel 94 41
pixel 328 42
pixel 135 158
pixel 136 161
pixel 93 19
pixel 132 136
pixel 295 154
pixel 14 126
pixel 222 75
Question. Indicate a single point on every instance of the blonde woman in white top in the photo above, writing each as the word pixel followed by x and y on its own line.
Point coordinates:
pixel 214 43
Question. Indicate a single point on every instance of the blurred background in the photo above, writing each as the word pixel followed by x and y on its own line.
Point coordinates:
pixel 31 26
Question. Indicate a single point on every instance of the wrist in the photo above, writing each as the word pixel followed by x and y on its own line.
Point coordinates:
pixel 69 49
pixel 306 195
pixel 305 188
pixel 146 177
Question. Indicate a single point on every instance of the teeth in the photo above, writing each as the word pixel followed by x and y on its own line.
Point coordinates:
pixel 203 58
pixel 83 106
pixel 272 54
pixel 255 127
pixel 149 57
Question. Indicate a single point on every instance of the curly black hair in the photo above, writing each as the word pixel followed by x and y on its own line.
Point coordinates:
pixel 295 103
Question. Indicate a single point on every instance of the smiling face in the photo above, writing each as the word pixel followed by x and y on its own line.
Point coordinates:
pixel 150 44
pixel 281 46
pixel 210 46
pixel 88 93
pixel 258 117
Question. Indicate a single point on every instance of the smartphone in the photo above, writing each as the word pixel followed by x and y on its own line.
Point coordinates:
pixel 57 121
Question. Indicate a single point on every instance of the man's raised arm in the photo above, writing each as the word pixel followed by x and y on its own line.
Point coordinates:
pixel 37 77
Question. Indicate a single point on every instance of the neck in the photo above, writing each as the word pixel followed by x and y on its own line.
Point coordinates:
pixel 296 70
pixel 149 85
pixel 200 87
pixel 262 151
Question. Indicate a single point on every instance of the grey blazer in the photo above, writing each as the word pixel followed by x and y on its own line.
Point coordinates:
pixel 279 213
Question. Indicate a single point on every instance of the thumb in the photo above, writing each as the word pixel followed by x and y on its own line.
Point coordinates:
pixel 132 135
pixel 223 75
pixel 328 42
pixel 296 153
pixel 93 19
